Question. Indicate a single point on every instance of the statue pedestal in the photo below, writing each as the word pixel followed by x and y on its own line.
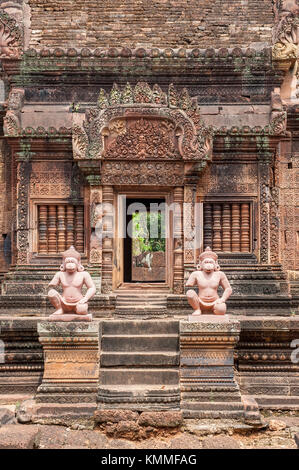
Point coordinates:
pixel 208 385
pixel 71 372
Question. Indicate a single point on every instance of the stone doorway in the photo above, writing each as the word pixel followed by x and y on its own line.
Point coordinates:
pixel 144 256
pixel 143 243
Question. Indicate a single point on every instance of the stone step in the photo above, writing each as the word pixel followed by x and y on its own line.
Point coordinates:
pixel 139 376
pixel 213 406
pixel 139 343
pixel 207 397
pixel 151 390
pixel 132 299
pixel 213 414
pixel 142 327
pixel 139 397
pixel 277 402
pixel 112 359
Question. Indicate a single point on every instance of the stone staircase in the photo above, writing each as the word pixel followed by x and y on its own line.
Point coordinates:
pixel 134 304
pixel 139 365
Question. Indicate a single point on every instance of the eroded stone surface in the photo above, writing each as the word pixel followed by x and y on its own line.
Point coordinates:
pixel 223 442
pixel 7 417
pixel 114 416
pixel 14 436
pixel 167 419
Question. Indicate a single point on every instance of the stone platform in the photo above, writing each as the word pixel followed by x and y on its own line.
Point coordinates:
pixel 139 365
pixel 208 385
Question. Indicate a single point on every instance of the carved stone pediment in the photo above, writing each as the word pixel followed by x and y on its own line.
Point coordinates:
pixel 142 123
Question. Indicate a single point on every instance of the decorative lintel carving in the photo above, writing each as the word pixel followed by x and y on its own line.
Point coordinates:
pixel 142 122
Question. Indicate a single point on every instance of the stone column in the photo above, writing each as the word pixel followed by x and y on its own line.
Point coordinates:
pixel 95 208
pixel 208 385
pixel 107 251
pixel 71 371
pixel 178 235
pixel 265 199
pixel 22 210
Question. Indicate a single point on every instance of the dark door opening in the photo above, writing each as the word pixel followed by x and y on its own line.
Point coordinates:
pixel 145 241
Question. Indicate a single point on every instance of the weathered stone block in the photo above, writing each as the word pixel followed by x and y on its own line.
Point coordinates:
pixel 224 442
pixel 14 436
pixel 71 362
pixel 208 386
pixel 115 416
pixel 7 417
pixel 167 419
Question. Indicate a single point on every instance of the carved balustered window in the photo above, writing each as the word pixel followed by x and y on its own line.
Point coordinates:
pixel 227 227
pixel 59 227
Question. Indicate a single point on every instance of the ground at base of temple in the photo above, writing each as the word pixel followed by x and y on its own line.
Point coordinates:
pixel 281 431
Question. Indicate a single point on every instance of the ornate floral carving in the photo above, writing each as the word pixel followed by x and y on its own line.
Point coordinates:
pixel 160 173
pixel 12 121
pixel 10 36
pixel 51 179
pixel 264 212
pixel 285 32
pixel 23 175
pixel 142 139
pixel 80 142
pixel 278 120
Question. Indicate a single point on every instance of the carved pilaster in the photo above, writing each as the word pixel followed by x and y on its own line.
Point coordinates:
pixel 264 172
pixel 96 216
pixel 107 239
pixel 23 176
pixel 189 224
pixel 178 262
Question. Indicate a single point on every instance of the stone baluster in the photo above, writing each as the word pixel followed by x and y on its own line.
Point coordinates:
pixel 79 229
pixel 236 219
pixel 70 226
pixel 217 245
pixel 208 226
pixel 226 228
pixel 52 230
pixel 61 228
pixel 245 228
pixel 42 230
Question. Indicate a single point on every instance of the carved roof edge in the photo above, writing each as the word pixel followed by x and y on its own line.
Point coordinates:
pixel 152 53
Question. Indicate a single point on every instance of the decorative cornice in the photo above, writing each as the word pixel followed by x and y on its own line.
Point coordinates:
pixel 154 53
pixel 39 132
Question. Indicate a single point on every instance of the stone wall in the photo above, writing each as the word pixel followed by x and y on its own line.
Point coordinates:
pixel 147 23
